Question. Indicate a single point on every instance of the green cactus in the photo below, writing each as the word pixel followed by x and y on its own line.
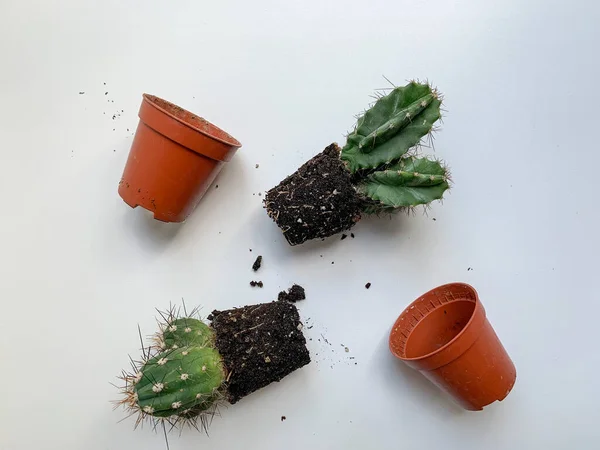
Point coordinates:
pixel 396 123
pixel 178 382
pixel 192 368
pixel 185 331
pixel 410 182
pixel 376 171
pixel 181 378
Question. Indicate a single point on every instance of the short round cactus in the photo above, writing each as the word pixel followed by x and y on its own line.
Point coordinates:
pixel 181 378
pixel 192 367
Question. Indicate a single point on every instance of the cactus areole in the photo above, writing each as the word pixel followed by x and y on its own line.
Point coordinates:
pixel 191 367
pixel 377 170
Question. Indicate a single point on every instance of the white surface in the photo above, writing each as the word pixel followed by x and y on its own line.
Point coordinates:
pixel 79 269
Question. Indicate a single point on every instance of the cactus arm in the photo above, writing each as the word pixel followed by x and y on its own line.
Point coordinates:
pixel 409 182
pixel 175 382
pixel 396 123
pixel 186 331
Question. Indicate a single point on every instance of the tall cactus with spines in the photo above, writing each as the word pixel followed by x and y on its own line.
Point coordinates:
pixel 378 170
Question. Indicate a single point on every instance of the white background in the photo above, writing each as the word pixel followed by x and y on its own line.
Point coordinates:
pixel 79 269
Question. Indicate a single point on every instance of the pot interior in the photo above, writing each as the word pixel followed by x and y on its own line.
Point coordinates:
pixel 433 320
pixel 438 328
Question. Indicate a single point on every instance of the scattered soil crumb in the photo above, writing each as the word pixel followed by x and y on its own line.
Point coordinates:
pixel 346 349
pixel 332 262
pixel 469 269
pixel 217 186
pixel 257 263
pixel 256 284
pixel 106 93
pixel 434 219
pixel 368 285
pixel 294 294
pixel 344 236
pixel 352 235
pixel 81 92
pixel 256 166
pixel 283 418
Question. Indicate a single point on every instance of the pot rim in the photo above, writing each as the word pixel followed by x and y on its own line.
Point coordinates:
pixel 231 141
pixel 465 329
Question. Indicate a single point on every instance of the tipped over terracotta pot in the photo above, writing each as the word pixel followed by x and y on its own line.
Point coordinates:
pixel 174 158
pixel 445 335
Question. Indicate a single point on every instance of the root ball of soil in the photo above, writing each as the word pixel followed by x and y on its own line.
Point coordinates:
pixel 259 344
pixel 317 201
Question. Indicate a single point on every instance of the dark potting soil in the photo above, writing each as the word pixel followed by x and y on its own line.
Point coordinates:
pixel 257 263
pixel 317 201
pixel 259 344
pixel 294 294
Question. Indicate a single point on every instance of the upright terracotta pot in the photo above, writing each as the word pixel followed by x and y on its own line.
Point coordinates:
pixel 174 158
pixel 445 334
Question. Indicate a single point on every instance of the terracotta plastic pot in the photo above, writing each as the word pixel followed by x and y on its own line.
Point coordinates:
pixel 174 158
pixel 445 334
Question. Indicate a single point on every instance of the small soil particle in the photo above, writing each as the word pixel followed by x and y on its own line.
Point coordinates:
pixel 344 236
pixel 256 166
pixel 469 269
pixel 257 263
pixel 346 349
pixel 217 186
pixel 434 219
pixel 256 284
pixel 81 93
pixel 368 285
pixel 106 93
pixel 294 294
pixel 283 418
pixel 246 337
